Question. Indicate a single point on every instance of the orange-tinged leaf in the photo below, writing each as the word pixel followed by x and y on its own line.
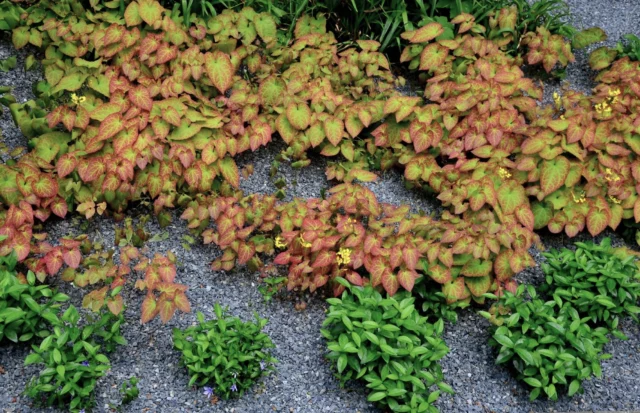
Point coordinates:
pixel 229 171
pixel 72 258
pixel 299 115
pixel 324 259
pixel 166 53
pixel 166 309
pixel 113 34
pixel 182 302
pixel 45 186
pixel 115 304
pixel 59 207
pixel 597 220
pixel 502 267
pixel 554 173
pixel 132 14
pixel 411 256
pixel 439 274
pixel 110 127
pixel 390 283
pixel 66 164
pixel 53 261
pixel 149 309
pixel 525 216
pixel 432 56
pixel 427 33
pixel 90 170
pixel 220 70
pixel 141 97
pixel 245 253
pixel 172 116
pixel 407 279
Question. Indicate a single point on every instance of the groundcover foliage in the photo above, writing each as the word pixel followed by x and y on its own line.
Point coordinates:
pixel 72 359
pixel 559 342
pixel 226 354
pixel 601 282
pixel 386 343
pixel 150 103
pixel 550 345
pixel 24 306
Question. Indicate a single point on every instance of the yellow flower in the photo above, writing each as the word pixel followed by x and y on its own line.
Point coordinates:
pixel 77 99
pixel 503 173
pixel 614 92
pixel 614 199
pixel 280 242
pixel 580 199
pixel 603 108
pixel 304 243
pixel 562 117
pixel 611 176
pixel 557 100
pixel 343 256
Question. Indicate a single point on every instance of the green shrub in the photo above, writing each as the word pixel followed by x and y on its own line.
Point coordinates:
pixel 388 344
pixel 601 282
pixel 630 47
pixel 129 390
pixel 73 364
pixel 23 305
pixel 550 346
pixel 226 354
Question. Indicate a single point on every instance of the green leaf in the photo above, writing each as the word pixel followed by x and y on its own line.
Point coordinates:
pixel 374 397
pixel 533 382
pixel 70 82
pixel 504 340
pixel 587 37
pixel 574 387
pixel 526 356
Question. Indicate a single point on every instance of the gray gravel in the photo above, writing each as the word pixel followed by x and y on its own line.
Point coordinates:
pixel 304 382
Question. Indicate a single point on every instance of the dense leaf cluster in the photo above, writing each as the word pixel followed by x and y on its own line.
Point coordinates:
pixel 138 105
pixel 386 343
pixel 73 360
pixel 225 354
pixel 558 342
pixel 550 345
pixel 24 306
pixel 601 282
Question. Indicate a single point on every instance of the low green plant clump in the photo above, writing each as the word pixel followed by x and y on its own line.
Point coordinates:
pixel 386 342
pixel 73 362
pixel 226 355
pixel 601 282
pixel 556 340
pixel 129 390
pixel 550 345
pixel 24 306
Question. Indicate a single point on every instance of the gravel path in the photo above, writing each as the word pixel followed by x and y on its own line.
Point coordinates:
pixel 304 382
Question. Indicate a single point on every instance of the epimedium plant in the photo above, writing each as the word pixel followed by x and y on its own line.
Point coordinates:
pixel 347 235
pixel 601 282
pixel 388 345
pixel 550 344
pixel 226 355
